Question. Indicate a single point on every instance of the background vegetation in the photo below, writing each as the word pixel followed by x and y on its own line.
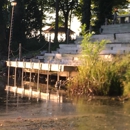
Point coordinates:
pixel 98 76
pixel 30 16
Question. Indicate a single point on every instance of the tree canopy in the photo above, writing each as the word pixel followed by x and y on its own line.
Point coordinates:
pixel 30 16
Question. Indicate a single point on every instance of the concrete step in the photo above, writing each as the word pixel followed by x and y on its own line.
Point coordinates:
pixel 112 38
pixel 116 28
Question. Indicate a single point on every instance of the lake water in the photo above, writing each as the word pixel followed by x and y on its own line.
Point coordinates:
pixel 100 110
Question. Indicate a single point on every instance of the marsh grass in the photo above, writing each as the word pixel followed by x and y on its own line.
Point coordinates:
pixel 101 77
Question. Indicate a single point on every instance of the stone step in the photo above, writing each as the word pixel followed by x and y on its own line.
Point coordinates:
pixel 112 38
pixel 116 28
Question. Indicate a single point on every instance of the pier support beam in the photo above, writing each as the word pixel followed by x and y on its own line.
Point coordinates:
pixel 8 73
pixel 38 90
pixel 47 90
pixel 22 84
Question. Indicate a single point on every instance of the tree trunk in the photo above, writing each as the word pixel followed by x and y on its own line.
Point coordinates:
pixel 86 13
pixel 66 25
pixel 3 42
pixel 56 21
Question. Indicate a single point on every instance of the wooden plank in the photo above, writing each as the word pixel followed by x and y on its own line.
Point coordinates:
pixel 34 65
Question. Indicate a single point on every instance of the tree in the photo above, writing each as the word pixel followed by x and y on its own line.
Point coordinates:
pixel 56 21
pixel 86 13
pixel 28 22
pixel 33 16
pixel 67 8
pixel 3 41
pixel 18 29
pixel 104 9
pixel 99 9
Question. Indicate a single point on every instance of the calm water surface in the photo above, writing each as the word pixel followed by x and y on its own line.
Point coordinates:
pixel 109 112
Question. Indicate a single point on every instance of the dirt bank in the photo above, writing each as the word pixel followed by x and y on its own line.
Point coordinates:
pixel 82 122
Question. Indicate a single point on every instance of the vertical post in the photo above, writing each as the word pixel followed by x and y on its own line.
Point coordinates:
pixel 7 100
pixel 31 67
pixel 58 74
pixel 19 51
pixel 48 78
pixel 67 35
pixel 38 78
pixel 10 34
pixel 11 26
pixel 22 79
pixel 47 81
pixel 38 91
pixel 30 89
pixel 49 47
pixel 8 72
pixel 15 77
pixel 30 79
pixel 22 83
pixel 15 74
pixel 58 80
pixel 17 101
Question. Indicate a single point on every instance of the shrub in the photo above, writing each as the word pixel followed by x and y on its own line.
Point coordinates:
pixel 98 76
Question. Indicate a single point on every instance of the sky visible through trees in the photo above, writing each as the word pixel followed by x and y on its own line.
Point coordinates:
pixel 30 15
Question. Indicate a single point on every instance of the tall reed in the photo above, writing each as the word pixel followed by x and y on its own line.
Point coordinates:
pixel 98 76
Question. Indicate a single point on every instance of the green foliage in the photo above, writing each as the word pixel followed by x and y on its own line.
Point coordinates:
pixel 104 9
pixel 96 11
pixel 99 76
pixel 33 45
pixel 54 46
pixel 92 71
pixel 33 15
pixel 125 69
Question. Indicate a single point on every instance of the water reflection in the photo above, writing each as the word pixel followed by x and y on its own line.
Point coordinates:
pixel 18 106
pixel 15 106
pixel 101 111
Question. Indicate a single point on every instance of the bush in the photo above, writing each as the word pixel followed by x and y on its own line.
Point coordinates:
pixel 98 76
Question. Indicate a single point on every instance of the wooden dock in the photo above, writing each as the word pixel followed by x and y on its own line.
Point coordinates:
pixel 39 68
pixel 64 70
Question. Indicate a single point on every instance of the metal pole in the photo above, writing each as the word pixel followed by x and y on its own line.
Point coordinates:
pixel 10 35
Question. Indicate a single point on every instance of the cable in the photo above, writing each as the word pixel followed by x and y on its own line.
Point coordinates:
pixel 36 50
pixel 15 51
